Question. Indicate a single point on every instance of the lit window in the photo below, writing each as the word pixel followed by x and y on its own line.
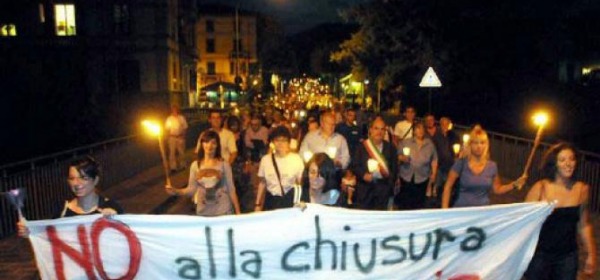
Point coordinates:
pixel 8 30
pixel 64 15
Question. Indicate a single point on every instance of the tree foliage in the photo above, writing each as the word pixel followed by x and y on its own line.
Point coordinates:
pixel 395 39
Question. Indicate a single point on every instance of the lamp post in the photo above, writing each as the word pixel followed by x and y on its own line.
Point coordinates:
pixel 540 119
pixel 238 79
pixel 154 129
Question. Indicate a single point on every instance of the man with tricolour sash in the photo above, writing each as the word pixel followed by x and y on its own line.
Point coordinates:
pixel 374 166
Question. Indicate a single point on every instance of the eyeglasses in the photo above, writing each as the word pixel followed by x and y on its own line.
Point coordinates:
pixel 82 178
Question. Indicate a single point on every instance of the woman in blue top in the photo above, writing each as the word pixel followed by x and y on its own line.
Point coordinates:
pixel 478 175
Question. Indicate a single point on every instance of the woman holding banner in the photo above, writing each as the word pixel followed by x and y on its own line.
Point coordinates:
pixel 83 177
pixel 320 179
pixel 556 255
pixel 477 175
pixel 211 180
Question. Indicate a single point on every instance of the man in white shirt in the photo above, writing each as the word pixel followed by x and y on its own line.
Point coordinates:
pixel 227 138
pixel 175 127
pixel 326 140
pixel 404 128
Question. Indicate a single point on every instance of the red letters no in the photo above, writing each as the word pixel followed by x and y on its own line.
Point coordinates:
pixel 84 258
pixel 135 248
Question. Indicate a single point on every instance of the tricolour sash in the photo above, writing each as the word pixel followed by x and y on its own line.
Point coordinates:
pixel 375 154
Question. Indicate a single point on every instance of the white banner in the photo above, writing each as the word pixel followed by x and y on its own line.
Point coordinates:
pixel 321 242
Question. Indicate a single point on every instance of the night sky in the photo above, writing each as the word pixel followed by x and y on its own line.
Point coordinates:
pixel 295 15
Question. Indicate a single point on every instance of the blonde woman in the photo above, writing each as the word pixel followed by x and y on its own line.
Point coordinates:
pixel 477 175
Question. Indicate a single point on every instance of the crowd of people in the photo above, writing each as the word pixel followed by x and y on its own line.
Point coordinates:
pixel 343 158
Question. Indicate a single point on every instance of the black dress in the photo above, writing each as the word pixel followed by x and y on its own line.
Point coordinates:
pixel 103 202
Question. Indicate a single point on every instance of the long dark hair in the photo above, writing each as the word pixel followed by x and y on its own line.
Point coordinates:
pixel 548 165
pixel 86 166
pixel 207 136
pixel 326 170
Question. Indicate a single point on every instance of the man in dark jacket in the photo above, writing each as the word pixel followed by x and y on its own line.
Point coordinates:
pixel 375 168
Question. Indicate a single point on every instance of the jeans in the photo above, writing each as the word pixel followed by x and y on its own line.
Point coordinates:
pixel 545 267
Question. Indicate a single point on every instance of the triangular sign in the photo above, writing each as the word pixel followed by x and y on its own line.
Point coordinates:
pixel 430 79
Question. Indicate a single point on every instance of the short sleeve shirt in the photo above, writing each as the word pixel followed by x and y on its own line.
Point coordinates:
pixel 474 189
pixel 290 169
pixel 402 128
pixel 228 145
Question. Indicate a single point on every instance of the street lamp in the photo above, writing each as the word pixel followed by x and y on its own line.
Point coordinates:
pixel 540 119
pixel 154 129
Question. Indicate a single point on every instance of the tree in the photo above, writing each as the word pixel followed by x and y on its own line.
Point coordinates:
pixel 274 52
pixel 395 39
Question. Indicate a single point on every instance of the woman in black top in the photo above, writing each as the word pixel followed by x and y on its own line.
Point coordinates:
pixel 556 255
pixel 84 175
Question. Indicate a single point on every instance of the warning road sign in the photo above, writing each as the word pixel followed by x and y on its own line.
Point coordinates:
pixel 430 79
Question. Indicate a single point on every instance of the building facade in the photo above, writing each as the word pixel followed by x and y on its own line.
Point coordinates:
pixel 120 47
pixel 93 66
pixel 219 28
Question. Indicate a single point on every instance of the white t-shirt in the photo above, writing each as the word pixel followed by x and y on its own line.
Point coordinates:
pixel 402 128
pixel 176 125
pixel 290 169
pixel 228 145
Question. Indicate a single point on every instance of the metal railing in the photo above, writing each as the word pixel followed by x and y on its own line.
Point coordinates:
pixel 121 158
pixel 44 177
pixel 511 153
